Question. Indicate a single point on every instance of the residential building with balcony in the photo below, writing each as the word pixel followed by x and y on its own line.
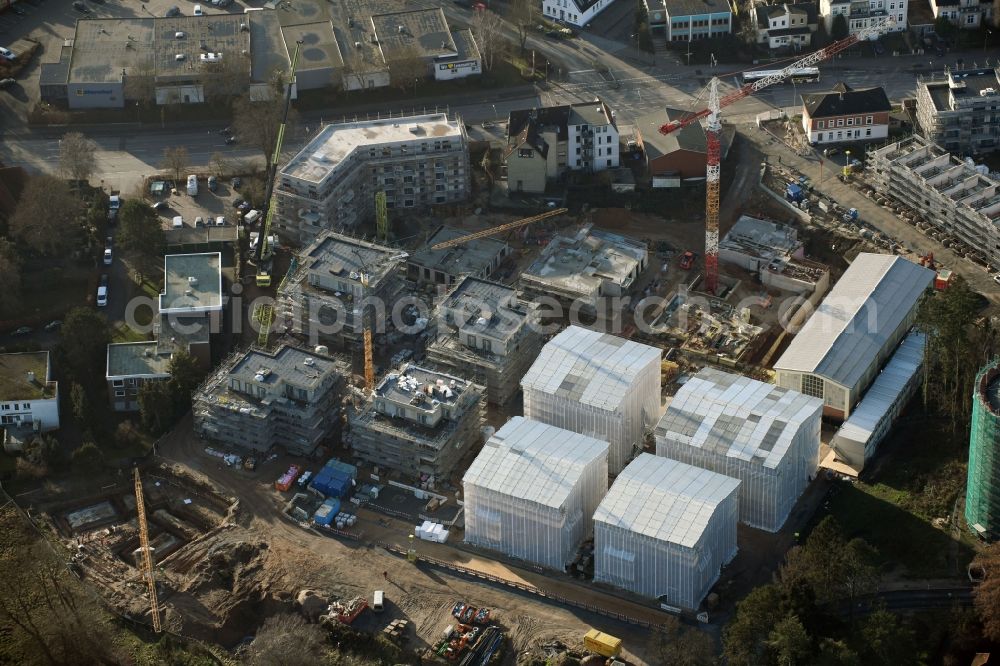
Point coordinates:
pixel 418 422
pixel 338 279
pixel 954 196
pixel 29 398
pixel 785 25
pixel 961 113
pixel 863 14
pixel 417 161
pixel 257 400
pixel 966 14
pixel 486 332
pixel 543 144
pixel 845 114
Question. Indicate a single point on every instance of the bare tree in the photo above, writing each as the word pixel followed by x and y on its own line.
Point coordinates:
pixel 523 14
pixel 175 159
pixel 76 156
pixel 140 85
pixel 257 123
pixel 220 164
pixel 407 68
pixel 48 216
pixel 287 640
pixel 229 77
pixel 487 28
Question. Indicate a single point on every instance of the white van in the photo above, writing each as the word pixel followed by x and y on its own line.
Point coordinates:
pixel 251 217
pixel 378 603
pixel 192 187
pixel 178 222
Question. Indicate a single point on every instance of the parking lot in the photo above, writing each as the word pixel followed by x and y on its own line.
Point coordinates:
pixel 206 205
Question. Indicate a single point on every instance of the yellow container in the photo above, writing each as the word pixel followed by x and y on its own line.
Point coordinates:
pixel 603 644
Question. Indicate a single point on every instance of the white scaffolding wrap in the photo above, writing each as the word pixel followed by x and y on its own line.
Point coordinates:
pixel 532 490
pixel 665 530
pixel 764 435
pixel 596 384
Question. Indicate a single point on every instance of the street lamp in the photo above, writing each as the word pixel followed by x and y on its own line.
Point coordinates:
pixel 496 116
pixel 986 39
pixel 847 163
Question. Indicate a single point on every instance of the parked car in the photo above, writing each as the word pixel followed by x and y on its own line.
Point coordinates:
pixel 80 7
pixel 230 140
pixel 7 54
pixel 102 291
pixel 226 131
pixel 160 205
pixel 24 330
pixel 172 12
pixel 108 259
pixel 213 183
pixel 487 124
pixel 53 325
pixel 198 11
pixel 7 83
pixel 199 221
pixel 236 183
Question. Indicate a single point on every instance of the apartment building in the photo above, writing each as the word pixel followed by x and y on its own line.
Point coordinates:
pixel 689 20
pixel 417 161
pixel 478 258
pixel 863 14
pixel 29 399
pixel 543 144
pixel 966 14
pixel 961 112
pixel 785 25
pixel 484 331
pixel 257 400
pixel 574 12
pixel 954 196
pixel 129 366
pixel 418 422
pixel 846 114
pixel 338 279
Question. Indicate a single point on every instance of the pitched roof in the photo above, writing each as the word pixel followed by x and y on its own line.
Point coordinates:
pixel 559 117
pixel 764 12
pixel 690 138
pixel 852 324
pixel 664 499
pixel 844 100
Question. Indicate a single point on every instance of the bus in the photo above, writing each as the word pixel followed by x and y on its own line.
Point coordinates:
pixel 800 75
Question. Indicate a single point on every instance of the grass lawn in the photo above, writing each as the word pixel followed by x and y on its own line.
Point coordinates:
pixel 917 478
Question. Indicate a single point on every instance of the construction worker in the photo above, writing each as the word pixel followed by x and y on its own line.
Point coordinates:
pixel 385 574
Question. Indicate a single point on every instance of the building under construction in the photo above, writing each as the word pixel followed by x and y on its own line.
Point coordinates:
pixel 774 252
pixel 484 331
pixel 479 258
pixel 333 282
pixel 982 494
pixel 418 422
pixel 257 400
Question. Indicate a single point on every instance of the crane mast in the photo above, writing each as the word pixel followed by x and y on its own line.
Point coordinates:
pixel 713 130
pixel 264 250
pixel 146 561
pixel 498 230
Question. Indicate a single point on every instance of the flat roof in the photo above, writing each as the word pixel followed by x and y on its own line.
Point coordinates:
pixel 192 282
pixel 287 364
pixel 481 307
pixel 14 383
pixel 588 367
pixel 737 417
pixel 757 237
pixel 268 53
pixel 177 332
pixel 695 7
pixel 335 143
pixel 534 461
pixel 885 390
pixel 417 32
pixel 664 499
pixel 103 47
pixel 136 359
pixel 581 263
pixel 336 254
pixel 466 44
pixel 971 82
pixel 319 49
pixel 467 258
pixel 403 384
pixel 844 336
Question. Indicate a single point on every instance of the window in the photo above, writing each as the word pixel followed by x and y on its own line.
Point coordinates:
pixel 119 394
pixel 609 162
pixel 868 132
pixel 868 120
pixel 6 407
pixel 850 121
pixel 840 135
pixel 970 19
pixel 840 122
pixel 26 406
pixel 820 124
pixel 812 386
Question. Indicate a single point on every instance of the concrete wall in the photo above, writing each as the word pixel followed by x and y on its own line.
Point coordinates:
pixel 526 174
pixel 458 69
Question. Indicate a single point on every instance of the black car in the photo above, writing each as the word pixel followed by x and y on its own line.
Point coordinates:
pixel 80 7
pixel 236 183
pixel 230 140
pixel 226 131
pixel 172 12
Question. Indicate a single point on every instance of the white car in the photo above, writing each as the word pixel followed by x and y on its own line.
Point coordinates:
pixel 7 54
pixel 102 296
pixel 107 257
pixel 198 11
pixel 996 278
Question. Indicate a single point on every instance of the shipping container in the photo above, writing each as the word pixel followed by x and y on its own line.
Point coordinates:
pixel 603 644
pixel 326 513
pixel 288 478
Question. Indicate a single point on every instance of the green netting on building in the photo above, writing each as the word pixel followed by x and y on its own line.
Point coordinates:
pixel 982 495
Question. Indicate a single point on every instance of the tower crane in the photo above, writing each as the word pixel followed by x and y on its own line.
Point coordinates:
pixel 713 128
pixel 146 561
pixel 498 230
pixel 366 323
pixel 264 250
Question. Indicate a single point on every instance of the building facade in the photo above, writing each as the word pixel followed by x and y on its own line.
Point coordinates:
pixel 785 25
pixel 689 20
pixel 950 194
pixel 417 162
pixel 418 422
pixel 575 12
pixel 29 398
pixel 478 258
pixel 130 366
pixel 962 112
pixel 966 14
pixel 982 494
pixel 841 348
pixel 256 400
pixel 845 114
pixel 863 14
pixel 532 491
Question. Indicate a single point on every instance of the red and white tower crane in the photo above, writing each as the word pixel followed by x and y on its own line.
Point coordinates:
pixel 713 130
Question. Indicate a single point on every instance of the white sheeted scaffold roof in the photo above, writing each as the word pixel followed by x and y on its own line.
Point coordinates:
pixel 844 336
pixel 664 499
pixel 738 417
pixel 588 367
pixel 534 461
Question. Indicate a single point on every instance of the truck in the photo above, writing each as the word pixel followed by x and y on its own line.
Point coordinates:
pixel 687 260
pixel 603 644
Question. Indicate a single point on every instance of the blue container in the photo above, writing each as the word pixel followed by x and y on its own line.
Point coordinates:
pixel 327 512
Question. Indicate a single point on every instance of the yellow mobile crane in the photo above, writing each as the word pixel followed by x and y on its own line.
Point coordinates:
pixel 265 252
pixel 146 559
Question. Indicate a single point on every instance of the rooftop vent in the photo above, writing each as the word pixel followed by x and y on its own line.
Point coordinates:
pixel 147 352
pixel 357 45
pixel 188 292
pixel 179 34
pixel 309 361
pixel 401 29
pixel 192 280
pixel 179 57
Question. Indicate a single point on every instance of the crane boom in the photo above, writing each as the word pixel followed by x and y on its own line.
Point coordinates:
pixel 147 554
pixel 498 230
pixel 782 74
pixel 264 250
